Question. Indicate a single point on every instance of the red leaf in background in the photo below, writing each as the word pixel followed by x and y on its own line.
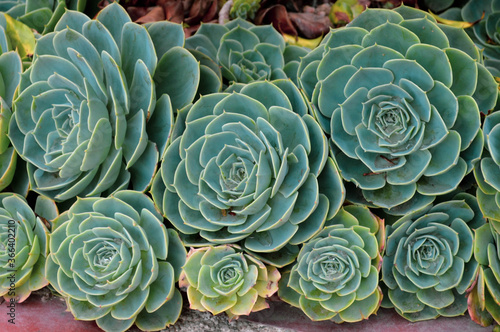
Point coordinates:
pixel 202 11
pixel 174 10
pixel 311 25
pixel 153 14
pixel 276 15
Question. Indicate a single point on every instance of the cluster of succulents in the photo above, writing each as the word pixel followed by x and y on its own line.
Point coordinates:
pixel 364 172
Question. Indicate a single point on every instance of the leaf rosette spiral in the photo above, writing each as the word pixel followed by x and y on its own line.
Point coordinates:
pixel 23 248
pixel 253 167
pixel 428 264
pixel 403 112
pixel 87 119
pixel 114 261
pixel 337 272
pixel 224 279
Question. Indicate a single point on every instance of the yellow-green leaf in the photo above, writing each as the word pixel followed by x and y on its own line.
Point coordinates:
pixel 456 24
pixel 21 37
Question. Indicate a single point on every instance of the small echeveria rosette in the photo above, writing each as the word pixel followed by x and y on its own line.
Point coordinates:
pixel 114 261
pixel 40 15
pixel 250 167
pixel 337 272
pixel 87 119
pixel 487 171
pixel 23 248
pixel 403 112
pixel 428 264
pixel 245 52
pixel 484 298
pixel 224 279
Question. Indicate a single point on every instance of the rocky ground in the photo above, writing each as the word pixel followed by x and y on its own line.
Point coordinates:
pixel 196 321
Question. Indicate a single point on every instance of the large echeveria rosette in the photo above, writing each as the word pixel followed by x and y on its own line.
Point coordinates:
pixel 245 52
pixel 23 248
pixel 428 264
pixel 403 112
pixel 337 272
pixel 87 119
pixel 249 168
pixel 484 298
pixel 114 261
pixel 224 279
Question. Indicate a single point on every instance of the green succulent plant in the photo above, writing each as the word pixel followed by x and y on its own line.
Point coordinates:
pixel 337 272
pixel 244 51
pixel 23 248
pixel 428 264
pixel 250 166
pixel 16 42
pixel 114 261
pixel 244 9
pixel 224 279
pixel 484 298
pixel 40 15
pixel 484 30
pixel 403 112
pixel 487 171
pixel 95 110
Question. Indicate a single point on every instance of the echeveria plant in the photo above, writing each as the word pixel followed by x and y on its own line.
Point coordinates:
pixel 114 261
pixel 487 171
pixel 40 15
pixel 250 166
pixel 428 264
pixel 16 42
pixel 23 248
pixel 403 111
pixel 10 76
pixel 87 119
pixel 484 299
pixel 224 279
pixel 244 51
pixel 244 9
pixel 337 272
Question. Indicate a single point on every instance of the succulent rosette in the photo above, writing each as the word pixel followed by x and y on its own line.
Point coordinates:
pixel 487 171
pixel 40 15
pixel 337 272
pixel 23 248
pixel 428 264
pixel 403 113
pixel 16 40
pixel 225 279
pixel 114 261
pixel 10 71
pixel 244 9
pixel 244 51
pixel 250 166
pixel 484 298
pixel 87 119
